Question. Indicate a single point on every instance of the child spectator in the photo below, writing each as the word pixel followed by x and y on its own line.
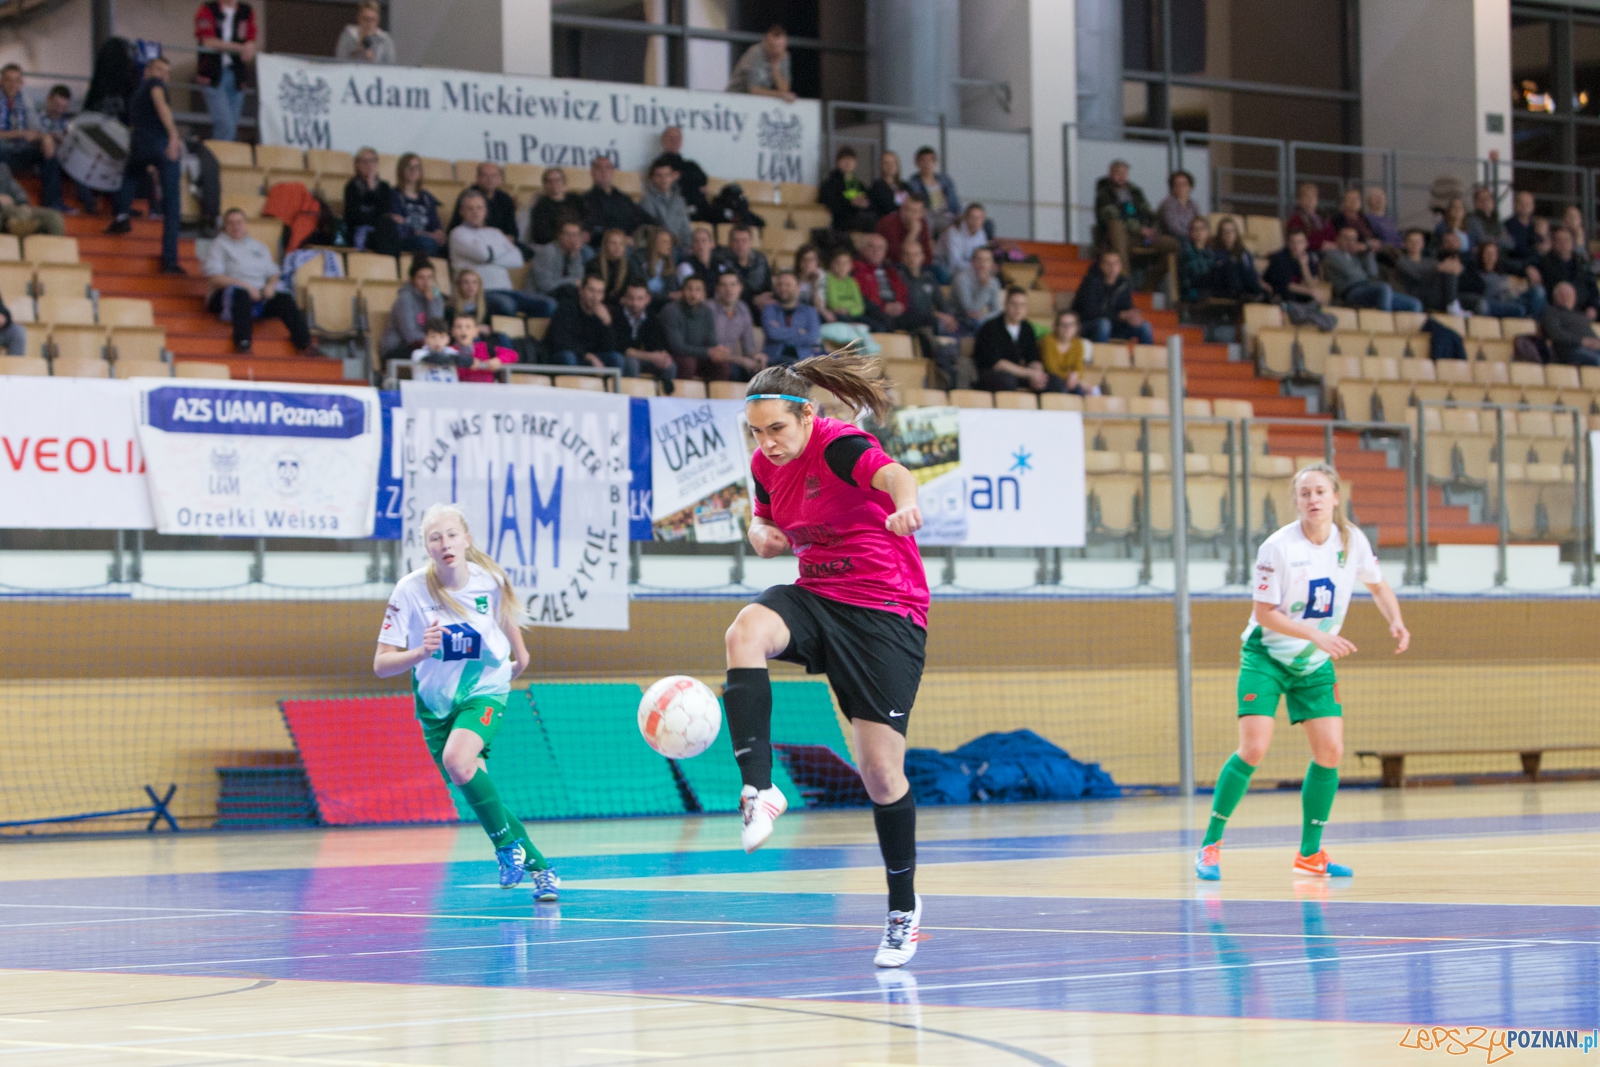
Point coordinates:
pixel 481 360
pixel 439 361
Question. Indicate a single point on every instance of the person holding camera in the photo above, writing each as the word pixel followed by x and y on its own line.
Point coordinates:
pixel 366 42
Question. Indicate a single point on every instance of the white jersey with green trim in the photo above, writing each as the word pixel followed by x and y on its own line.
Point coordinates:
pixel 1309 582
pixel 474 659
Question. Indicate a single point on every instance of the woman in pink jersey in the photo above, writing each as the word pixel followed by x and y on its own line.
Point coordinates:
pixel 858 614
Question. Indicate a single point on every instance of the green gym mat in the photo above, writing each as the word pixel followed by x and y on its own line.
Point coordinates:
pixel 523 766
pixel 601 766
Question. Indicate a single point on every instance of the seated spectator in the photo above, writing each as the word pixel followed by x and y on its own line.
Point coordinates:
pixel 844 194
pixel 1177 212
pixel 881 285
pixel 153 141
pixel 1567 328
pixel 1006 351
pixel 243 280
pixel 1484 222
pixel 365 41
pixel 1104 304
pixel 889 191
pixel 638 334
pixel 414 306
pixel 1378 220
pixel 927 315
pixel 438 358
pixel 962 239
pixel 580 332
pixel 764 69
pixel 605 207
pixel 691 178
pixel 56 123
pixel 225 30
pixel 1195 262
pixel 485 356
pixel 1292 270
pixel 1572 219
pixel 841 295
pixel 1454 221
pixel 612 265
pixel 1563 264
pixel 1432 281
pixel 655 265
pixel 20 217
pixel 12 333
pixel 1125 218
pixel 792 328
pixel 976 291
pixel 1485 289
pixel 736 330
pixel 663 204
pixel 702 262
pixel 491 253
pixel 691 331
pixel 1065 353
pixel 750 264
pixel 1306 219
pixel 1350 214
pixel 1541 238
pixel 1518 230
pixel 558 268
pixel 908 223
pixel 1233 274
pixel 553 208
pixel 1353 276
pixel 935 189
pixel 468 299
pixel 502 214
pixel 368 199
pixel 416 211
pixel 812 278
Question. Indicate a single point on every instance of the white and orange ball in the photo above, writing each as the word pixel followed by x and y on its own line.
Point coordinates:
pixel 679 717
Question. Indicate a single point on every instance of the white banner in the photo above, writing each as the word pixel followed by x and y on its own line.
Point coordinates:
pixel 542 475
pixel 700 487
pixel 457 114
pixel 1594 457
pixel 70 456
pixel 255 459
pixel 994 478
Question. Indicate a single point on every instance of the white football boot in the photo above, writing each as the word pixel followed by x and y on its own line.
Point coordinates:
pixel 760 808
pixel 901 933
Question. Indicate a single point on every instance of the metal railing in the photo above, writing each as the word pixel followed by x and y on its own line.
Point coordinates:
pixel 1279 200
pixel 611 377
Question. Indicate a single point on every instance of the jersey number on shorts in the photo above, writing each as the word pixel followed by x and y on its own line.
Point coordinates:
pixel 461 642
pixel 488 717
pixel 1319 599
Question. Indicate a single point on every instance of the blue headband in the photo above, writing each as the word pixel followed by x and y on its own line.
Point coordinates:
pixel 776 396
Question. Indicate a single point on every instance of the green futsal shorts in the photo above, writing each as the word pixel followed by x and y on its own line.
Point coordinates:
pixel 481 715
pixel 1262 680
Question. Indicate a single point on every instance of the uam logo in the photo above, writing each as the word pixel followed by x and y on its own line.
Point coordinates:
pixel 288 473
pixel 781 138
pixel 224 477
pixel 306 104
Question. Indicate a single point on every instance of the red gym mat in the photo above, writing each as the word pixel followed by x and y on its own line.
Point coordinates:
pixel 366 761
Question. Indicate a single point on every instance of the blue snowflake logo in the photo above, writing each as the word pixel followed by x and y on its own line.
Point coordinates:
pixel 1023 460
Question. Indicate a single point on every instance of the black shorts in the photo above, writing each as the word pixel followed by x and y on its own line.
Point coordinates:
pixel 873 658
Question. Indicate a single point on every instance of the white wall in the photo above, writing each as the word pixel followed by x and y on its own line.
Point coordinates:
pixel 1052 100
pixel 525 37
pixel 457 34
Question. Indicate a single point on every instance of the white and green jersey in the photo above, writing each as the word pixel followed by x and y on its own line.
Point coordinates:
pixel 474 659
pixel 1311 583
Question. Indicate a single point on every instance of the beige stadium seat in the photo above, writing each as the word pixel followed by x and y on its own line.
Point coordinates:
pixel 329 161
pixel 435 169
pixel 1486 373
pixel 924 398
pixel 33 366
pixel 231 153
pixel 80 368
pixel 512 326
pixel 645 387
pixel 363 265
pixel 520 378
pixel 1495 351
pixel 247 181
pixel 1105 405
pixel 38 341
pixel 1019 400
pixel 1113 355
pixel 1374 321
pixel 1454 322
pixel 268 231
pixel 581 180
pixel 1483 327
pixel 46 248
pixel 1041 304
pixel 77 342
pixel 1316 348
pixel 249 203
pixel 776 241
pixel 796 194
pixel 199 368
pixel 896 346
pixel 1379 369
pixel 523 175
pixel 448 192
pixel 1060 402
pixel 1355 399
pixel 1514 328
pixel 1206 439
pixel 1453 370
pixel 630 182
pixel 1339 368
pixel 1345 318
pixel 1233 409
pixel 10 248
pixel 71 310
pixel 808 218
pixel 1112 502
pixel 141 368
pixel 1207 499
pixel 1419 343
pixel 63 279
pixel 689 389
pixel 1390 346
pixel 138 342
pixel 586 382
pixel 377 300
pixel 1113 435
pixel 16 283
pixel 1352 342
pixel 279 157
pixel 1393 401
pixel 1125 384
pixel 907 373
pixel 125 311
pixel 1150 357
pixel 1262 316
pixel 971 398
pixel 725 390
pixel 755 191
pixel 1562 377
pixel 330 306
pixel 537 328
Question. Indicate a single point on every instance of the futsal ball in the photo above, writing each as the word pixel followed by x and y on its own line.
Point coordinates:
pixel 679 717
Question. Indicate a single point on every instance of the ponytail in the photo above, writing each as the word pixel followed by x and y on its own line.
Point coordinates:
pixel 854 378
pixel 511 613
pixel 1327 471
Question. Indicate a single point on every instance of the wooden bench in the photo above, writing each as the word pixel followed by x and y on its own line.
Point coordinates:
pixel 1394 763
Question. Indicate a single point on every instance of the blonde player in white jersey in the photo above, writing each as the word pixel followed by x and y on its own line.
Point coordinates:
pixel 455 625
pixel 1304 576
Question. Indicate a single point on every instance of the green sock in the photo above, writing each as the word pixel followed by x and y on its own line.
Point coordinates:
pixel 535 860
pixel 1316 802
pixel 498 823
pixel 1232 783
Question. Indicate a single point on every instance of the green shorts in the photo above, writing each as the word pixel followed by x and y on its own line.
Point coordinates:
pixel 1262 680
pixel 481 715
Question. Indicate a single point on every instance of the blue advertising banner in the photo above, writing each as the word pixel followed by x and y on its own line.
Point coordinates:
pixel 386 525
pixel 639 488
pixel 202 409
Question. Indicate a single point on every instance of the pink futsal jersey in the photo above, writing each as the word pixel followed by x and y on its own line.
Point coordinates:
pixel 837 529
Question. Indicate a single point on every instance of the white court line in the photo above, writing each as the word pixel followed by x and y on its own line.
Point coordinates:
pixel 633 1053
pixel 210 1054
pixel 172 1029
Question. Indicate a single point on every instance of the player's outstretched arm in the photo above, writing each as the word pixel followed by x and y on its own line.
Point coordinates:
pixel 389 661
pixel 1389 604
pixel 767 539
pixel 1272 619
pixel 519 648
pixel 901 485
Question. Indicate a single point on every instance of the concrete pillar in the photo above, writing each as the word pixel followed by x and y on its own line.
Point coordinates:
pixel 1099 65
pixel 452 34
pixel 525 37
pixel 710 61
pixel 916 49
pixel 1051 102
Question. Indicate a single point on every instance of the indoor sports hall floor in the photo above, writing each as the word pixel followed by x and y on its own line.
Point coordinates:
pixel 1055 934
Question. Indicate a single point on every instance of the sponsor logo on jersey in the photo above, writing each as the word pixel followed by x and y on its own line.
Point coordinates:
pixel 1343 555
pixel 1264 568
pixel 460 642
pixel 827 568
pixel 1297 605
pixel 1262 587
pixel 482 604
pixel 813 487
pixel 1319 600
pixel 1249 697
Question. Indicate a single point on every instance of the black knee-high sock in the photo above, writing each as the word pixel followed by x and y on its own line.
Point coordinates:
pixel 897 840
pixel 747 698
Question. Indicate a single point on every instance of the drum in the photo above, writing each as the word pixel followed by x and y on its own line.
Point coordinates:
pixel 95 151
